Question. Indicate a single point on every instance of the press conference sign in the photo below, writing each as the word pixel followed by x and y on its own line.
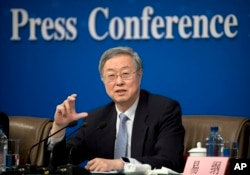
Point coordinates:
pixel 146 26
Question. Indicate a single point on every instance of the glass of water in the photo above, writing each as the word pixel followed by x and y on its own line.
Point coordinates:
pixel 12 157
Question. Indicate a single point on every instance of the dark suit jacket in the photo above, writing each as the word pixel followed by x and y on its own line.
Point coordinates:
pixel 157 135
pixel 4 121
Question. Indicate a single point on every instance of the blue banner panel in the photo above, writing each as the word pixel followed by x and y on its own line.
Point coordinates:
pixel 196 52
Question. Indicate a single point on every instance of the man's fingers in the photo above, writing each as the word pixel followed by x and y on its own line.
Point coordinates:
pixel 60 109
pixel 66 111
pixel 66 106
pixel 73 95
pixel 99 164
pixel 94 165
pixel 90 165
pixel 71 103
pixel 81 115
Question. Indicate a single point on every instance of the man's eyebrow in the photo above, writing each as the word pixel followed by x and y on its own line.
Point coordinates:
pixel 125 67
pixel 110 69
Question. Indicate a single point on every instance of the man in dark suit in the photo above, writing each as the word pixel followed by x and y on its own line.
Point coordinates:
pixel 4 121
pixel 154 131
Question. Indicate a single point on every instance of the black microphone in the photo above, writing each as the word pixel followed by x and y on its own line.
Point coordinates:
pixel 71 124
pixel 102 125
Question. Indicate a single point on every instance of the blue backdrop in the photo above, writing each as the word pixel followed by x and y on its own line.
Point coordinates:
pixel 196 52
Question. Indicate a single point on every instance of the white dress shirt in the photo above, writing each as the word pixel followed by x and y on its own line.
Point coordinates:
pixel 130 113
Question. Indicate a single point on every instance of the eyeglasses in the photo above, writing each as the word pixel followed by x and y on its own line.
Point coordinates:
pixel 124 76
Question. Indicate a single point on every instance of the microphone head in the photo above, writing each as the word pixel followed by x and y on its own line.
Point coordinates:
pixel 72 124
pixel 102 125
pixel 85 124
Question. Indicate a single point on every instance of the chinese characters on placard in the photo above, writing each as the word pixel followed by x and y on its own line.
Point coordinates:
pixel 214 169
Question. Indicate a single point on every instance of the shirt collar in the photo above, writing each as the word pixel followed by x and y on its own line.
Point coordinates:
pixel 130 112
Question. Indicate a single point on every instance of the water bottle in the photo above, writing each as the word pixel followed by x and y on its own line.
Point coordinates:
pixel 3 150
pixel 234 154
pixel 214 142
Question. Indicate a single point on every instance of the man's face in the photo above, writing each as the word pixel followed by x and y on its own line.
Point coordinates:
pixel 122 80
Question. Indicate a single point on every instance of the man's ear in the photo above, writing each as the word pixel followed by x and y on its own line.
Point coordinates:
pixel 140 72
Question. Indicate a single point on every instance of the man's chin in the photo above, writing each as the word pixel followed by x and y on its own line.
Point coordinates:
pixel 121 100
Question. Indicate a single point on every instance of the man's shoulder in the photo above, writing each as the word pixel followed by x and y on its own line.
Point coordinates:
pixel 156 98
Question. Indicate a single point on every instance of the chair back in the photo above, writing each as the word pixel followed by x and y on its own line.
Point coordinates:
pixel 231 129
pixel 30 130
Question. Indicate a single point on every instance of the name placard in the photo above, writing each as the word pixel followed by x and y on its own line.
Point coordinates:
pixel 206 166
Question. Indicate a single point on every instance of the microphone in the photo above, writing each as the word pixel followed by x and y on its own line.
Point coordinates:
pixel 71 124
pixel 102 125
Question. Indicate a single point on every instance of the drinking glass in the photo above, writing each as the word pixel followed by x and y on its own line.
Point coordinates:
pixel 12 157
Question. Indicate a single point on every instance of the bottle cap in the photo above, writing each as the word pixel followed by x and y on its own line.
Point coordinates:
pixel 214 128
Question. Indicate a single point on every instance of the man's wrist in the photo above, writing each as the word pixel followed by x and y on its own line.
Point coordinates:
pixel 125 160
pixel 56 128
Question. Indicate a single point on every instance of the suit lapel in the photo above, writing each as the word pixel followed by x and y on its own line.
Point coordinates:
pixel 139 127
pixel 107 136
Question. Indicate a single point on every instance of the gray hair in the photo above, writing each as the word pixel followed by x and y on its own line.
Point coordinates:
pixel 108 54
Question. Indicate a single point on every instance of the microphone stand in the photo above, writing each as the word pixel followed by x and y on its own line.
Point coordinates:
pixel 71 169
pixel 28 166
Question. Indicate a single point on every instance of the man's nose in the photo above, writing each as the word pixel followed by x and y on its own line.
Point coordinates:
pixel 119 80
